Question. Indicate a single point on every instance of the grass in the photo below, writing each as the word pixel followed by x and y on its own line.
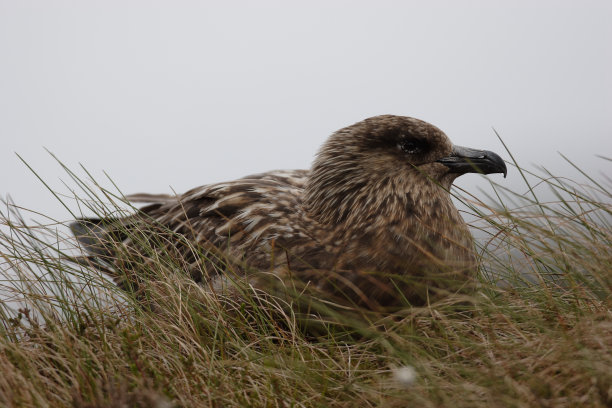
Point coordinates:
pixel 537 333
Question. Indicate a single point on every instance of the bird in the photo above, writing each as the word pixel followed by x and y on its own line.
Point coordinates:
pixel 371 222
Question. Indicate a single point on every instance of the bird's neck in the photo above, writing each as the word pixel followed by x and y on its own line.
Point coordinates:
pixel 360 201
pixel 384 208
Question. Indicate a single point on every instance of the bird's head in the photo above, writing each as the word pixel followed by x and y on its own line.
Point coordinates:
pixel 389 155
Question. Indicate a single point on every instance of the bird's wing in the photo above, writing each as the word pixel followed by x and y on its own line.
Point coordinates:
pixel 246 220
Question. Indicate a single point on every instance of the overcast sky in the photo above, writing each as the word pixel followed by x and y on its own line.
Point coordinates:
pixel 175 94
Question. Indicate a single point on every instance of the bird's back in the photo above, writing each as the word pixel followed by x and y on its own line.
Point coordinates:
pixel 253 222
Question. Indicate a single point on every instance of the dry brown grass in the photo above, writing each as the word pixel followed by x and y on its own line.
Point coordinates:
pixel 537 333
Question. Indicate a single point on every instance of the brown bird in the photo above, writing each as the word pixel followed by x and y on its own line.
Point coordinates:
pixel 372 221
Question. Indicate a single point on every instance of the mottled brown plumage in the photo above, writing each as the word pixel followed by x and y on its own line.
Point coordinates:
pixel 372 221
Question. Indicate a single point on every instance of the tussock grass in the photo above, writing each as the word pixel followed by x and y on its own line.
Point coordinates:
pixel 537 333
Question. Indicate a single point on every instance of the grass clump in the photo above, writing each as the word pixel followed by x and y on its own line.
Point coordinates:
pixel 537 333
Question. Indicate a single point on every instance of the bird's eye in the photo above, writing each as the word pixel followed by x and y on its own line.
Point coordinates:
pixel 411 146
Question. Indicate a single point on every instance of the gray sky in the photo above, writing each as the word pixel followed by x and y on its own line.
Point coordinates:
pixel 183 93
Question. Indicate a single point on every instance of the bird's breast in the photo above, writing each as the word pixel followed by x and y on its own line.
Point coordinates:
pixel 413 236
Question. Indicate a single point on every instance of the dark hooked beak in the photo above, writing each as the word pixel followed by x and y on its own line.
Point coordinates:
pixel 465 160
